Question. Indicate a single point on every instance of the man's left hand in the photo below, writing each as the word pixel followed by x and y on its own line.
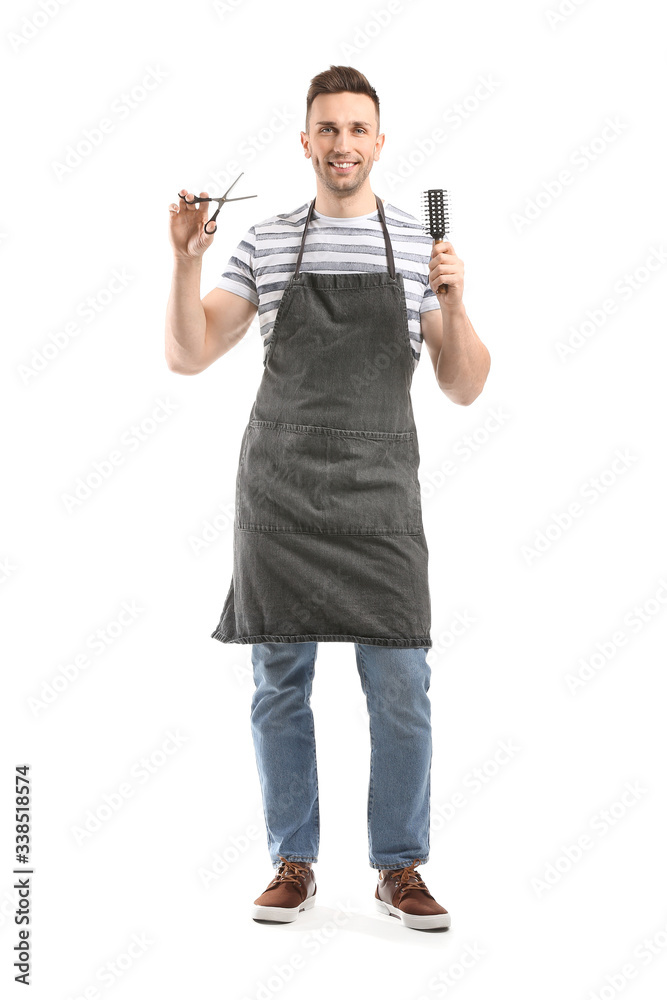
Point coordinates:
pixel 446 269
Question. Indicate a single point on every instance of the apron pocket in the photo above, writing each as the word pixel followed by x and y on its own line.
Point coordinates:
pixel 299 477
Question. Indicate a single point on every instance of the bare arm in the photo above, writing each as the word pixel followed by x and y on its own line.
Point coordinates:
pixel 460 359
pixel 198 331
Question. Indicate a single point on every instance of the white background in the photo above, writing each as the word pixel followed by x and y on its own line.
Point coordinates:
pixel 67 573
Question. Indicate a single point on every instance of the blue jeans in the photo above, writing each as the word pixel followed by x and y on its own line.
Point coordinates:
pixel 395 681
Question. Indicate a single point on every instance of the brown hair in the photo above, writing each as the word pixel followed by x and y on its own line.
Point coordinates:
pixel 337 79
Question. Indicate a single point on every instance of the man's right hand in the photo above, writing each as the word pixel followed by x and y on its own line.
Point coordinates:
pixel 186 227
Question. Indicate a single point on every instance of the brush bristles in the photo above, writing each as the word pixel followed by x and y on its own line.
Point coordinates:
pixel 435 211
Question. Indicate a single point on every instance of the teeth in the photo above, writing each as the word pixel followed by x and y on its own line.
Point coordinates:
pixel 336 164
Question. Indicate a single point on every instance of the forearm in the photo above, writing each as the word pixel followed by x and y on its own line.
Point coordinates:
pixel 463 362
pixel 185 325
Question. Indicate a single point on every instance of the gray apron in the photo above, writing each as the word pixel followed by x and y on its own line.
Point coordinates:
pixel 329 544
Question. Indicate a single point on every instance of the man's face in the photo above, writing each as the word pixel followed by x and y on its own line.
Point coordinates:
pixel 342 130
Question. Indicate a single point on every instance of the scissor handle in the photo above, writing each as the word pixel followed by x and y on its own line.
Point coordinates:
pixel 209 232
pixel 194 200
pixel 213 218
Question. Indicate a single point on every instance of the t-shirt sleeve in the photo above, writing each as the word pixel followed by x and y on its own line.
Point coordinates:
pixel 430 300
pixel 239 275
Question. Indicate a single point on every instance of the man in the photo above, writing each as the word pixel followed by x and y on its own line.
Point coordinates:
pixel 328 537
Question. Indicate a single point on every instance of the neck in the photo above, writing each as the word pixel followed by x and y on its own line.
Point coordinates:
pixel 345 206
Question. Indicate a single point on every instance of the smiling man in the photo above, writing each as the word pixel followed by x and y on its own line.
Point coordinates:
pixel 329 543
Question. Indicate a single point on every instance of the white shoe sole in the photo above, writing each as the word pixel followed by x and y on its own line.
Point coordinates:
pixel 282 913
pixel 412 919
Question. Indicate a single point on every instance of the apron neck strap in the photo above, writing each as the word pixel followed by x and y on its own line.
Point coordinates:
pixel 303 238
pixel 387 242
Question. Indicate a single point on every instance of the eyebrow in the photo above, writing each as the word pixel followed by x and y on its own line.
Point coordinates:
pixel 367 124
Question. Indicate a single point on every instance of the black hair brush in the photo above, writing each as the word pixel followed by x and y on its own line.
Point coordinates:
pixel 435 209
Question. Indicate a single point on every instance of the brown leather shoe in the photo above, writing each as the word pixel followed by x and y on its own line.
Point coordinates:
pixel 402 893
pixel 291 890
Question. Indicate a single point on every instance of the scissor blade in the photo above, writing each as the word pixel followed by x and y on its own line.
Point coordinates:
pixel 243 198
pixel 231 186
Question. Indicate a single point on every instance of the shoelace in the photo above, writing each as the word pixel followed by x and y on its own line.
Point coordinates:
pixel 289 871
pixel 408 878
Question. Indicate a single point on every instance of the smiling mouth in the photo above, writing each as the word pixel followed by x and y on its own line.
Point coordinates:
pixel 343 166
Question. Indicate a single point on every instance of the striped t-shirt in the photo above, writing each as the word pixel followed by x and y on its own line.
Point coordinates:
pixel 265 259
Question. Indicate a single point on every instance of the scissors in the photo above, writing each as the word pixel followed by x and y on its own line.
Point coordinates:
pixel 220 201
